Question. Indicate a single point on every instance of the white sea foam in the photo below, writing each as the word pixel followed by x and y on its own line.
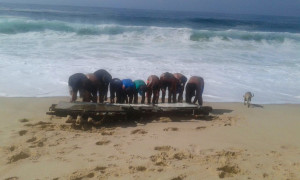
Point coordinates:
pixel 38 63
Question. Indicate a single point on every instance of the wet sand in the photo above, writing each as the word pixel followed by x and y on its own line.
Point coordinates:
pixel 233 142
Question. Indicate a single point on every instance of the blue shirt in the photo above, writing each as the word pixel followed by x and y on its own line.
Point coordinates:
pixel 127 83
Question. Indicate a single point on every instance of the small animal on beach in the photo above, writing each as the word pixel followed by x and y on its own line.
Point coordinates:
pixel 247 98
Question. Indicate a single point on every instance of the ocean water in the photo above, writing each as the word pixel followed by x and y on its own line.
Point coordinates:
pixel 41 46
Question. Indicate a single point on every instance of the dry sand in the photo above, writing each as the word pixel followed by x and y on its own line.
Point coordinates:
pixel 234 142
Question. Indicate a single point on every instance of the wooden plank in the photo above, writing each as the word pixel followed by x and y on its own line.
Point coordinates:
pixel 88 107
pixel 63 108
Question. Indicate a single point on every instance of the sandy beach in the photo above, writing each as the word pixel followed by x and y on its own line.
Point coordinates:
pixel 233 142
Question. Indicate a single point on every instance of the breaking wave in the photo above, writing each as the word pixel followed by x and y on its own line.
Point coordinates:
pixel 12 26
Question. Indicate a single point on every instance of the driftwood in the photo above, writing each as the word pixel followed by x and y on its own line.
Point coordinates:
pixel 101 111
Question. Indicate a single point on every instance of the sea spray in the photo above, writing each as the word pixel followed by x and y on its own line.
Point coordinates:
pixel 40 49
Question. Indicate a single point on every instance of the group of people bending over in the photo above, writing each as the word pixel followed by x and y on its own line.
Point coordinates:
pixel 94 87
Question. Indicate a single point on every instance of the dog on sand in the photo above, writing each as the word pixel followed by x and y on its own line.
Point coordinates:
pixel 247 98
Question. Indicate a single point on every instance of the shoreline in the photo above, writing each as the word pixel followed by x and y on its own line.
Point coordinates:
pixel 66 98
pixel 233 142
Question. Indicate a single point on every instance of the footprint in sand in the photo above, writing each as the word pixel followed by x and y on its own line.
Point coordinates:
pixel 24 120
pixel 181 177
pixel 31 140
pixel 137 168
pixel 64 127
pixel 12 148
pixel 11 178
pixel 163 148
pixel 160 159
pixel 81 175
pixel 37 143
pixel 102 142
pixel 160 169
pixel 181 156
pixel 141 168
pixel 289 147
pixel 118 147
pixel 139 131
pixel 171 129
pixel 18 156
pixel 275 153
pixel 44 125
pixel 228 171
pixel 40 144
pixel 107 133
pixel 200 127
pixel 89 173
pixel 100 168
pixel 163 157
pixel 265 175
pixel 22 132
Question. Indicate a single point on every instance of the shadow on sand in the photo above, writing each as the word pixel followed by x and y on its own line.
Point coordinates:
pixel 220 111
pixel 256 106
pixel 137 120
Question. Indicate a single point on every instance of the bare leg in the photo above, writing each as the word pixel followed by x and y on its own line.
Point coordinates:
pixel 163 91
pixel 130 98
pixel 112 95
pixel 174 96
pixel 169 94
pixel 180 97
pixel 86 96
pixel 101 97
pixel 119 96
pixel 74 96
pixel 149 94
pixel 157 96
pixel 154 97
pixel 94 97
pixel 188 97
pixel 200 101
pixel 143 98
pixel 105 93
pixel 135 98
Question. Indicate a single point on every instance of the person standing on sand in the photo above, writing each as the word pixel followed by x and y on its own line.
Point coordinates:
pixel 180 85
pixel 80 82
pixel 128 90
pixel 116 90
pixel 167 80
pixel 140 88
pixel 195 83
pixel 153 86
pixel 104 79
